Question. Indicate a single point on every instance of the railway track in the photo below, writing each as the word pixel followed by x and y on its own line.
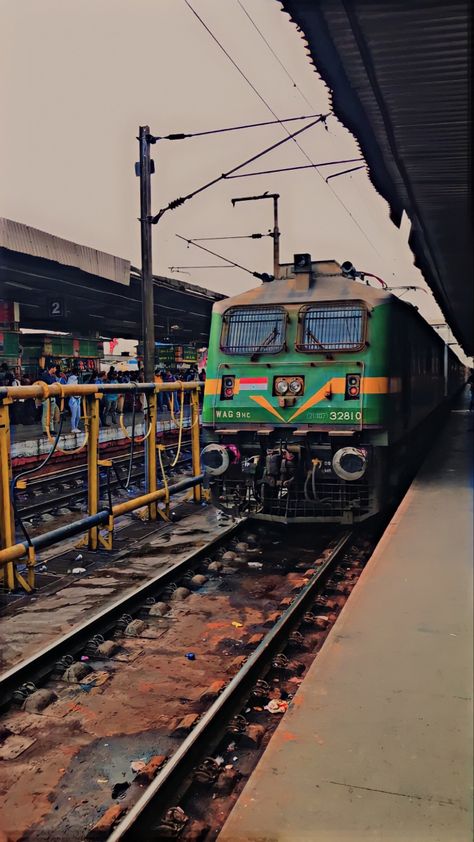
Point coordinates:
pixel 127 715
pixel 48 493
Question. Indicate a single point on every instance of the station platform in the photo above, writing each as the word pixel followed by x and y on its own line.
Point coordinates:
pixel 27 440
pixel 377 742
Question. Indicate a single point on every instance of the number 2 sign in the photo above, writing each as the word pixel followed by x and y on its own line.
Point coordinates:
pixel 56 307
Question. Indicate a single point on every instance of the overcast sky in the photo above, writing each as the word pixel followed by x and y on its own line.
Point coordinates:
pixel 79 76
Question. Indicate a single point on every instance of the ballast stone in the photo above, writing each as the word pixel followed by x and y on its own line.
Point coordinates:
pixel 159 609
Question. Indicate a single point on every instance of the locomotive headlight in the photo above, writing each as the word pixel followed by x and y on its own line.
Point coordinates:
pixel 281 386
pixel 350 463
pixel 296 387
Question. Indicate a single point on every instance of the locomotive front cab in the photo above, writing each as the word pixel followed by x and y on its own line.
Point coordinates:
pixel 291 394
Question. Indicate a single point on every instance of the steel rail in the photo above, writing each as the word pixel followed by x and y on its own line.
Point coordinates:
pixel 139 822
pixel 47 504
pixel 38 666
pixel 67 474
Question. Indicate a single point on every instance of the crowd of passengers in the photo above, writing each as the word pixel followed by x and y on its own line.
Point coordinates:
pixel 112 405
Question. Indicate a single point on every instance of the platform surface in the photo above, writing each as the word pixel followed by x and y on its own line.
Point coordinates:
pixel 377 744
pixel 27 439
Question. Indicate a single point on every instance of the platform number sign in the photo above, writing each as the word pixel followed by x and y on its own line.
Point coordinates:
pixel 56 308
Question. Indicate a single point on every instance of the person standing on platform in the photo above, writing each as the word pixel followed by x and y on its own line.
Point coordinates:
pixel 100 380
pixel 139 398
pixel 48 376
pixel 74 403
pixel 6 376
pixel 122 377
pixel 10 379
pixel 111 401
pixel 169 377
pixel 202 378
pixel 159 379
pixel 7 379
pixel 61 376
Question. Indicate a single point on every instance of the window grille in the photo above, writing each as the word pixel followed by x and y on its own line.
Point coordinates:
pixel 333 327
pixel 254 330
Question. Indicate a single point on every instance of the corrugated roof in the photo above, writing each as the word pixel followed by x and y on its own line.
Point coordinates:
pixel 177 285
pixel 399 76
pixel 22 238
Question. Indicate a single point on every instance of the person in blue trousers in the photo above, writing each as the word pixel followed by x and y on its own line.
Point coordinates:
pixel 74 404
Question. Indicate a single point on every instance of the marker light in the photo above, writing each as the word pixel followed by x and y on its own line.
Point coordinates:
pixel 227 387
pixel 352 387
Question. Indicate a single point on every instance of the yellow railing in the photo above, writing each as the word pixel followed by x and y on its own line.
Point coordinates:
pixel 98 526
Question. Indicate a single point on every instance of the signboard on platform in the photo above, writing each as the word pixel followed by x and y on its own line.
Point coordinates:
pixel 64 363
pixel 170 355
pixel 56 308
pixel 185 354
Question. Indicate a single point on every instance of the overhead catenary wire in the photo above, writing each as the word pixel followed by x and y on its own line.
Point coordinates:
pixel 275 54
pixel 344 172
pixel 406 289
pixel 268 106
pixel 299 167
pixel 180 201
pixel 233 237
pixel 212 266
pixel 185 135
pixel 220 256
pixel 239 69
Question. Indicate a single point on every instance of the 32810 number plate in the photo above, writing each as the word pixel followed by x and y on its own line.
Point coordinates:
pixel 345 415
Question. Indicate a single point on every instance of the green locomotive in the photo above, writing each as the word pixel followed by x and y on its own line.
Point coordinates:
pixel 316 384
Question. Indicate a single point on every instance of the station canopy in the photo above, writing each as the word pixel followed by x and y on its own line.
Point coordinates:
pixel 63 286
pixel 399 76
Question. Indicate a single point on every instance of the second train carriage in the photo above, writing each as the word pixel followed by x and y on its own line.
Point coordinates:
pixel 315 386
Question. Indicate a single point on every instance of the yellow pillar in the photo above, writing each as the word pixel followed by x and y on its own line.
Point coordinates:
pixel 150 446
pixel 31 562
pixel 92 467
pixel 195 442
pixel 7 526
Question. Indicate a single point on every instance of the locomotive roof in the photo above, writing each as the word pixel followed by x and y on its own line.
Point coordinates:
pixel 327 284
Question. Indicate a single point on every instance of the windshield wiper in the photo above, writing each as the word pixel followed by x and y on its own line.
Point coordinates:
pixel 266 342
pixel 312 336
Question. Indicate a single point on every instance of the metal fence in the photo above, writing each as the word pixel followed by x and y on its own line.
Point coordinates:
pixel 98 526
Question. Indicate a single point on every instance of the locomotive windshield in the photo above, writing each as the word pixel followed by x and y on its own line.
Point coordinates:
pixel 253 330
pixel 333 327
